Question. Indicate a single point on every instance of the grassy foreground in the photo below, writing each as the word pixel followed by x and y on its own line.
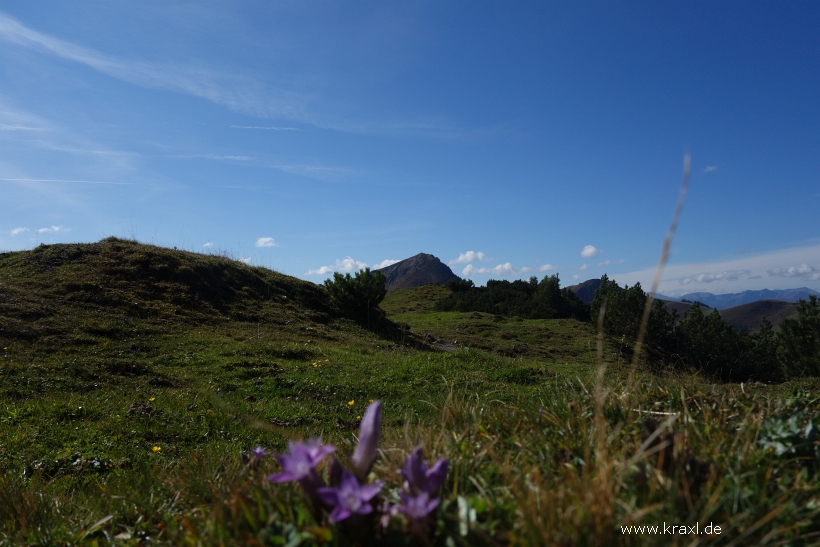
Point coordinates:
pixel 131 377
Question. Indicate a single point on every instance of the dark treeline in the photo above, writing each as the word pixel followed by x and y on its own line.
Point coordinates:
pixel 700 340
pixel 703 341
pixel 526 299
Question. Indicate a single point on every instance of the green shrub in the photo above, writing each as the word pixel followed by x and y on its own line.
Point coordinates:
pixel 799 347
pixel 357 296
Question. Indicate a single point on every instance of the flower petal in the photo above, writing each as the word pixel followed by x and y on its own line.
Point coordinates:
pixel 365 453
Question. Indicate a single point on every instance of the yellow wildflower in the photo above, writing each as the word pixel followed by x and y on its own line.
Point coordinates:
pixel 351 402
pixel 152 399
pixel 156 448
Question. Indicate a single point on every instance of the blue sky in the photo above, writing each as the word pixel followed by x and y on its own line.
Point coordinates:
pixel 509 139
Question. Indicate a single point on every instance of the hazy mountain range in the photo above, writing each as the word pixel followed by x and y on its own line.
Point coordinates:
pixel 723 301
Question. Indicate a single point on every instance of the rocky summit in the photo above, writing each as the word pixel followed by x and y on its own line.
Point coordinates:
pixel 422 269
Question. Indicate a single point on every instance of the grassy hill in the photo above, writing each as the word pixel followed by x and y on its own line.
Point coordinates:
pixel 131 376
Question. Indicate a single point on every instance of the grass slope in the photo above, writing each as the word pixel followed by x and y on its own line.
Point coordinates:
pixel 133 375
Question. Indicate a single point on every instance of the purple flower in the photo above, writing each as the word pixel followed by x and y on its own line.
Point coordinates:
pixel 301 460
pixel 365 453
pixel 420 479
pixel 350 498
pixel 417 507
pixel 258 453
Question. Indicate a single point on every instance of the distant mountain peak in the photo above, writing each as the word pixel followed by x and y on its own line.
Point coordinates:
pixel 586 290
pixel 418 270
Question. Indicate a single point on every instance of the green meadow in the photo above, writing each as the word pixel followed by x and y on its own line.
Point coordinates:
pixel 132 376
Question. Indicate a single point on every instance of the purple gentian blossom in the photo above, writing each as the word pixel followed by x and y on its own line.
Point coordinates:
pixel 300 462
pixel 258 453
pixel 417 478
pixel 350 498
pixel 418 507
pixel 365 453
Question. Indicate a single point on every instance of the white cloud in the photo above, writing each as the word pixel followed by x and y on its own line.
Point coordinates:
pixel 711 277
pixel 348 265
pixel 208 245
pixel 803 270
pixel 576 277
pixel 711 168
pixel 52 230
pixel 245 260
pixel 17 231
pixel 546 267
pixel 324 270
pixel 610 263
pixel 266 242
pixel 584 267
pixel 590 251
pixel 385 263
pixel 501 269
pixel 470 256
pixel 526 269
pixel 345 265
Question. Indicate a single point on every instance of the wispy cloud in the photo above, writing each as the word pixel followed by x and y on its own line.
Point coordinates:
pixel 18 231
pixel 245 260
pixel 385 263
pixel 590 251
pixel 542 268
pixel 344 265
pixel 265 128
pixel 315 171
pixel 803 270
pixel 237 93
pixel 208 245
pixel 584 267
pixel 711 277
pixel 68 181
pixel 4 127
pixel 470 256
pixel 610 263
pixel 749 272
pixel 53 229
pixel 501 269
pixel 266 242
pixel 211 157
pixel 711 168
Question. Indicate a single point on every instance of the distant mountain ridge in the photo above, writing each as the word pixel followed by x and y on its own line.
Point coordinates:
pixel 723 301
pixel 749 317
pixel 418 270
